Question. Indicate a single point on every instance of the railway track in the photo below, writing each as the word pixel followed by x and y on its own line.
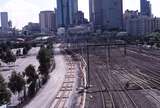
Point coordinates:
pixel 132 102
pixel 108 77
pixel 155 57
pixel 148 69
pixel 145 87
pixel 101 86
pixel 117 86
pixel 142 82
pixel 104 97
pixel 116 92
pixel 147 51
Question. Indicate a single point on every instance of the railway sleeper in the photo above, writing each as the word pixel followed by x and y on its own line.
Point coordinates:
pixel 109 103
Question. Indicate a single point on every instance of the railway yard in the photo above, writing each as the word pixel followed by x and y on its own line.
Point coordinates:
pixel 117 80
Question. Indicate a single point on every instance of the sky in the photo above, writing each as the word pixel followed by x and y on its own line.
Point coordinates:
pixel 23 11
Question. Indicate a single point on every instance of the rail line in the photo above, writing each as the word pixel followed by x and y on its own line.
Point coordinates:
pixel 145 79
pixel 109 87
pixel 145 86
pixel 101 90
pixel 114 79
pixel 146 52
pixel 142 80
pixel 104 80
pixel 105 95
pixel 151 71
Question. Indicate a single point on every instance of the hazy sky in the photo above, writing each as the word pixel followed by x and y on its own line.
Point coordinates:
pixel 23 11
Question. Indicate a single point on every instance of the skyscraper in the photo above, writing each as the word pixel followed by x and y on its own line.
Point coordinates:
pixel 106 14
pixel 91 10
pixel 47 21
pixel 60 12
pixel 146 8
pixel 66 10
pixel 4 21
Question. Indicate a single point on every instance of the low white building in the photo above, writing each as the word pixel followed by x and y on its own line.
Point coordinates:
pixel 82 29
pixel 139 26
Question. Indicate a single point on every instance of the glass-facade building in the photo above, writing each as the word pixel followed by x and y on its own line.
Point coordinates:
pixel 106 14
pixel 146 8
pixel 66 10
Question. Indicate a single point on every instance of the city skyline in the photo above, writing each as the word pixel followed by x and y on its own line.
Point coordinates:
pixel 21 11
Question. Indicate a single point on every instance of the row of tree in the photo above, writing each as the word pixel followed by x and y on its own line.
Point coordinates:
pixel 7 56
pixel 4 92
pixel 44 57
pixel 30 80
pixel 153 39
pixel 18 83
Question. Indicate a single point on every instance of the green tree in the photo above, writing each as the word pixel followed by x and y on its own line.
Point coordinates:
pixel 18 52
pixel 4 92
pixel 25 51
pixel 30 72
pixel 26 48
pixel 16 82
pixel 9 57
pixel 44 58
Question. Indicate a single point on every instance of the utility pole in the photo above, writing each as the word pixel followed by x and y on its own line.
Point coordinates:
pixel 108 45
pixel 125 49
pixel 88 65
pixel 109 52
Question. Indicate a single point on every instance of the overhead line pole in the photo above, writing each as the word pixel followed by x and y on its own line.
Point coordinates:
pixel 109 55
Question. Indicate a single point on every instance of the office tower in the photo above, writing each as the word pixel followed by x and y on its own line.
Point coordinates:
pixel 106 14
pixel 66 10
pixel 60 13
pixel 146 8
pixel 4 21
pixel 73 10
pixel 47 21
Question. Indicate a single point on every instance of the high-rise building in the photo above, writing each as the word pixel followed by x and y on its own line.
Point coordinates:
pixel 146 8
pixel 91 10
pixel 66 10
pixel 60 13
pixel 47 20
pixel 106 14
pixel 73 9
pixel 4 21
